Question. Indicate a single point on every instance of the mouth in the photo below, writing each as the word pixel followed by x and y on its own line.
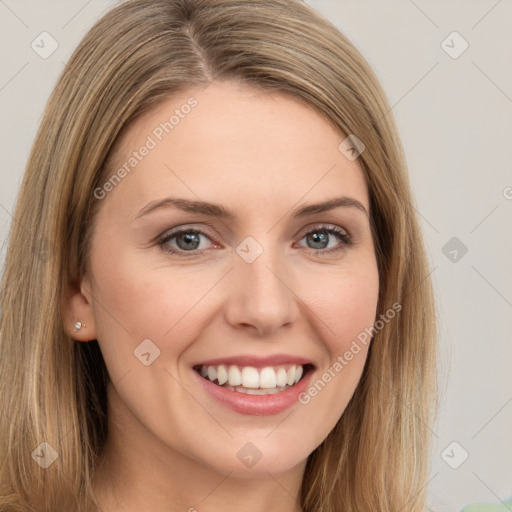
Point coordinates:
pixel 254 380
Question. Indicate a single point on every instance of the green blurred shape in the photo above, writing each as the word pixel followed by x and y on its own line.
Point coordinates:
pixel 506 506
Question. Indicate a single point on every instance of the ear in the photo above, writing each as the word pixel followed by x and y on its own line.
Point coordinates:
pixel 77 307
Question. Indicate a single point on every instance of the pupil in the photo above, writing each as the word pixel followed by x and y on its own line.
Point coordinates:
pixel 323 237
pixel 189 238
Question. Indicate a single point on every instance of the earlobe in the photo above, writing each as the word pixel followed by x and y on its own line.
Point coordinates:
pixel 78 326
pixel 78 314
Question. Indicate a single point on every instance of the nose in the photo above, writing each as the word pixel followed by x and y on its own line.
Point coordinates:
pixel 261 297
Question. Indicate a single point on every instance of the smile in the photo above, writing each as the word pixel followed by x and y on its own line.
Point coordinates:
pixel 257 386
pixel 251 380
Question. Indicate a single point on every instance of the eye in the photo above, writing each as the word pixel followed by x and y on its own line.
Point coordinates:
pixel 319 239
pixel 186 240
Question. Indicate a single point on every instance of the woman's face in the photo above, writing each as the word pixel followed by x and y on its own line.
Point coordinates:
pixel 209 262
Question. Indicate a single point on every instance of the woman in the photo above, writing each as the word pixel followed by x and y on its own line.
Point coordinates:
pixel 227 302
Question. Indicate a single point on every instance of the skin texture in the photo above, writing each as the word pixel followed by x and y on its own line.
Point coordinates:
pixel 171 447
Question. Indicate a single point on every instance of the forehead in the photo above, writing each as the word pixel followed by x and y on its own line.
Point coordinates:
pixel 239 145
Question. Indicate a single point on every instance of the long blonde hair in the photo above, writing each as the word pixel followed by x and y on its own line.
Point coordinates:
pixel 53 389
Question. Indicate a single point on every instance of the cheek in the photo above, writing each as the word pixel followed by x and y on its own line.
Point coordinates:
pixel 146 300
pixel 348 312
pixel 133 303
pixel 138 302
pixel 356 309
pixel 347 305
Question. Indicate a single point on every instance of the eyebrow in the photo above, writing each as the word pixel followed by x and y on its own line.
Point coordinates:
pixel 219 211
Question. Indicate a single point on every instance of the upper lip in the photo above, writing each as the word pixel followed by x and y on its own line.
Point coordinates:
pixel 256 361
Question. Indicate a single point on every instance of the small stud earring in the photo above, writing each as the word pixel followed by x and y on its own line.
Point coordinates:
pixel 78 326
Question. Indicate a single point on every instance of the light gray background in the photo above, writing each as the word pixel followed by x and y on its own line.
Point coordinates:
pixel 455 119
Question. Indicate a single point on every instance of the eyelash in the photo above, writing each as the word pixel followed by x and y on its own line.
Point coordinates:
pixel 345 238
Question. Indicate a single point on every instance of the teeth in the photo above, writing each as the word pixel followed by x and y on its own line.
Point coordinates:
pixel 268 378
pixel 234 376
pixel 249 391
pixel 298 373
pixel 250 377
pixel 290 376
pixel 259 391
pixel 252 381
pixel 212 373
pixel 281 377
pixel 222 374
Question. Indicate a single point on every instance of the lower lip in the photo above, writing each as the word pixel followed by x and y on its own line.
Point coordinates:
pixel 256 405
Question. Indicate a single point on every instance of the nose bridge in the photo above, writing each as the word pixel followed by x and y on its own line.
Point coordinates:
pixel 260 296
pixel 262 275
